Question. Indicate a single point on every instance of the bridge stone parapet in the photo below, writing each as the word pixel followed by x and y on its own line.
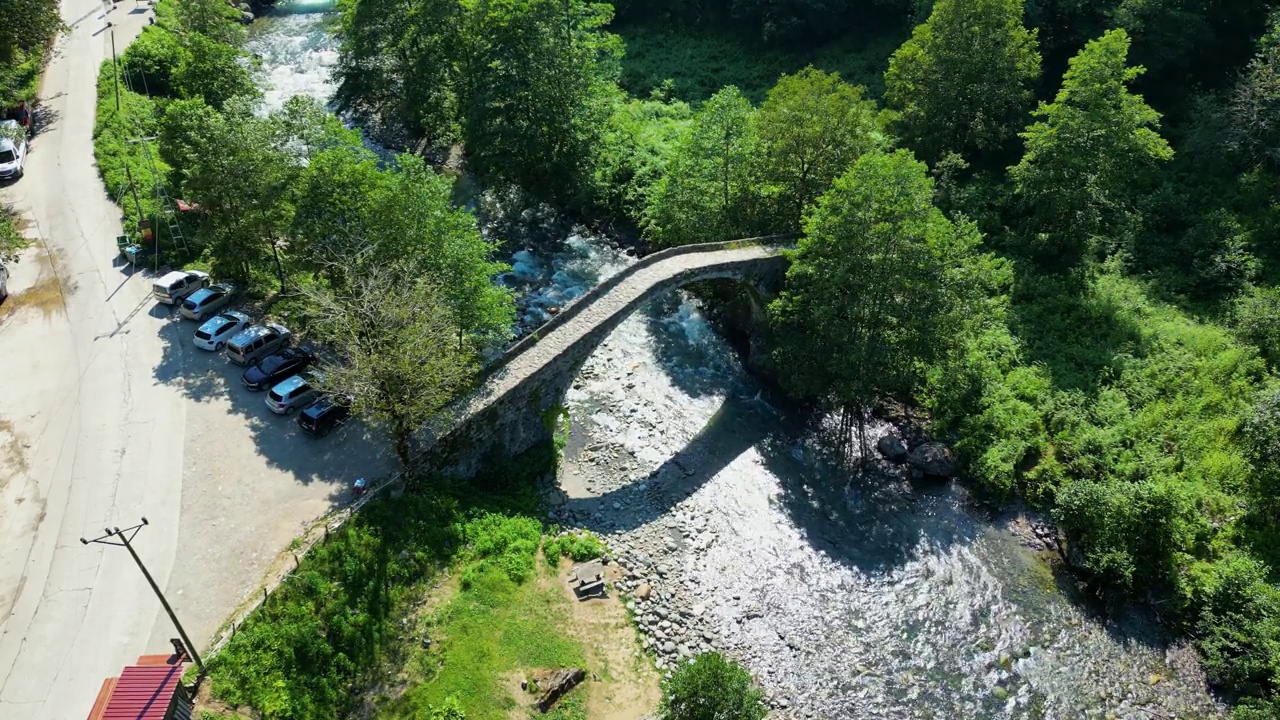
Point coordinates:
pixel 521 399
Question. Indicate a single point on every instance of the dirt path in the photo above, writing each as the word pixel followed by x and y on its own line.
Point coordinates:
pixel 627 688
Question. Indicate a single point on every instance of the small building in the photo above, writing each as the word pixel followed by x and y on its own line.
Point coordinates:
pixel 150 690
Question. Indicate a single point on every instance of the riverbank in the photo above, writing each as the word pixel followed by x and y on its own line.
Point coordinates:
pixel 844 595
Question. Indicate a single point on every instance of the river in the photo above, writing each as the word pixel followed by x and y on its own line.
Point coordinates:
pixel 846 598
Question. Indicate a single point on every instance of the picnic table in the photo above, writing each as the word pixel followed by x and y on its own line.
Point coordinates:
pixel 587 579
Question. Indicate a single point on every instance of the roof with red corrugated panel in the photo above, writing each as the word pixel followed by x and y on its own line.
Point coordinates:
pixel 143 692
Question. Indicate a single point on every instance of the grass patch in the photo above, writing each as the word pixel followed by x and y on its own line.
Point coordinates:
pixel 493 628
pixel 701 62
pixel 345 621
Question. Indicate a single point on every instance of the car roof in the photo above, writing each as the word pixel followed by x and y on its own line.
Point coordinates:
pixel 200 294
pixel 277 327
pixel 249 334
pixel 171 277
pixel 284 387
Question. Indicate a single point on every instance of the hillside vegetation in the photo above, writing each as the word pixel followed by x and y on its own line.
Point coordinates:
pixel 1050 225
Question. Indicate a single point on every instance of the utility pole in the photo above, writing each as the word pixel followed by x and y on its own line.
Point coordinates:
pixel 115 65
pixel 125 536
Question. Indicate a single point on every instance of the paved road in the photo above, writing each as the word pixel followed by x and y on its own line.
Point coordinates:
pixel 106 414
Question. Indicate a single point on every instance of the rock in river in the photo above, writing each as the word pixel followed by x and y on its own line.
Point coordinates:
pixel 933 458
pixel 892 448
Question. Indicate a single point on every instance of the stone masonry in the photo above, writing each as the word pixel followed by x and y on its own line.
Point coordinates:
pixel 522 396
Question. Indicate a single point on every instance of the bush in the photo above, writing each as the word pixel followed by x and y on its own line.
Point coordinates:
pixel 501 542
pixel 711 688
pixel 1238 631
pixel 579 547
pixel 150 61
pixel 1256 318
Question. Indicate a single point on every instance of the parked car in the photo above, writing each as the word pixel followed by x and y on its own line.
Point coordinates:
pixel 215 332
pixel 4 282
pixel 252 344
pixel 178 284
pixel 13 149
pixel 206 301
pixel 325 414
pixel 296 392
pixel 272 369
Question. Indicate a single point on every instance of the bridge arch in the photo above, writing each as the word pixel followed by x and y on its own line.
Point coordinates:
pixel 522 393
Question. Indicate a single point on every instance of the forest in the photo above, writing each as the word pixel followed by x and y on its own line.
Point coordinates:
pixel 1049 224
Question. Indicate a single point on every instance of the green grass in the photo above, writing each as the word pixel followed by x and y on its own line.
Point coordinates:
pixel 702 62
pixel 489 630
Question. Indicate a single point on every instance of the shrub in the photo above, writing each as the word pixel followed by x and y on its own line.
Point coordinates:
pixel 1256 318
pixel 501 542
pixel 1238 631
pixel 711 688
pixel 150 62
pixel 579 547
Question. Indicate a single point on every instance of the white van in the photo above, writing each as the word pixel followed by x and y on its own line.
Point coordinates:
pixel 13 149
pixel 252 344
pixel 175 286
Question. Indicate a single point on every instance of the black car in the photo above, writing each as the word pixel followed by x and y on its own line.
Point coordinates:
pixel 322 416
pixel 279 366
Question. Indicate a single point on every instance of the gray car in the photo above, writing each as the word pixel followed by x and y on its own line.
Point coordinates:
pixel 294 393
pixel 252 344
pixel 207 301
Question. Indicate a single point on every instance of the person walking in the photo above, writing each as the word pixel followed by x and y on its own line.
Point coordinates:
pixel 23 115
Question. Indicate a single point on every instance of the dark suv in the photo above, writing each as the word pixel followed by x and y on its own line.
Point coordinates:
pixel 322 416
pixel 274 368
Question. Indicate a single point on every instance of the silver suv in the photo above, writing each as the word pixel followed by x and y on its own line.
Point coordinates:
pixel 252 344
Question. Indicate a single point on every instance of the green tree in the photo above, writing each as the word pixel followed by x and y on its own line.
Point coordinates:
pixel 709 191
pixel 238 175
pixel 393 327
pixel 711 688
pixel 411 215
pixel 212 70
pixel 812 126
pixel 1087 156
pixel 214 19
pixel 1255 102
pixel 400 59
pixel 28 26
pixel 536 87
pixel 876 289
pixel 962 82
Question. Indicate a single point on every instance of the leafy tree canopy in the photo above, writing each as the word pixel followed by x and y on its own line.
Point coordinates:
pixel 1086 155
pixel 962 83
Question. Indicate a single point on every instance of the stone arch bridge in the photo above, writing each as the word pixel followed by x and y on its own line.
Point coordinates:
pixel 519 403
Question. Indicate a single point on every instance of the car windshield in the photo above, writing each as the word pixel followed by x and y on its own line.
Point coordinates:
pixel 189 304
pixel 7 156
pixel 272 364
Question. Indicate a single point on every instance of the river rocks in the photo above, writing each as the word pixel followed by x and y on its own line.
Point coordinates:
pixel 892 448
pixel 933 458
pixel 644 591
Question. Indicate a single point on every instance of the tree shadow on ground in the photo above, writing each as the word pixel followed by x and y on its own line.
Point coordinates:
pixel 213 382
pixel 1075 332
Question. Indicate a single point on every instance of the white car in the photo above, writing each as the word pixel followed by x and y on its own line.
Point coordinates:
pixel 206 301
pixel 13 149
pixel 215 332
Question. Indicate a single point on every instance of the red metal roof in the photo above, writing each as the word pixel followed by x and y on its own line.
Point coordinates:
pixel 143 692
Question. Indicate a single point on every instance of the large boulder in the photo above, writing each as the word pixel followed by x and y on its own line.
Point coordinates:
pixel 933 458
pixel 892 448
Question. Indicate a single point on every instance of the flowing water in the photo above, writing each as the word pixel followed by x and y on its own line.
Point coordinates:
pixel 845 597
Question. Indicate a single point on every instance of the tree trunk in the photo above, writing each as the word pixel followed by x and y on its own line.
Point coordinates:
pixel 275 253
